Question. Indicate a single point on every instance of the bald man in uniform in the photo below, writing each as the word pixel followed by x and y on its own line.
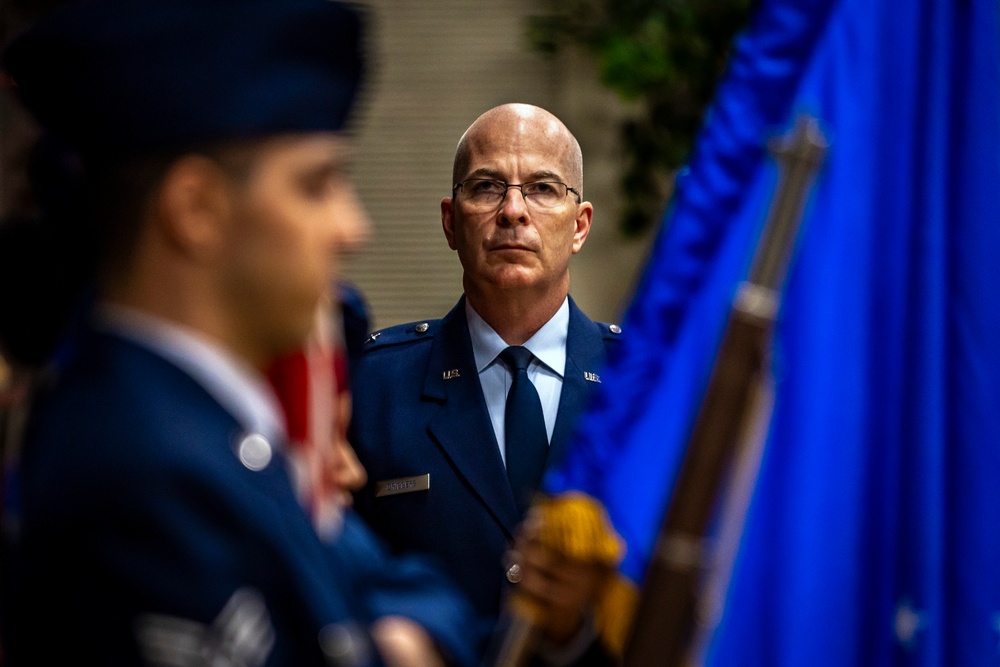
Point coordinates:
pixel 449 474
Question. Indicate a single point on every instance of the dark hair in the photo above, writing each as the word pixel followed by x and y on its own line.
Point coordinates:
pixel 85 218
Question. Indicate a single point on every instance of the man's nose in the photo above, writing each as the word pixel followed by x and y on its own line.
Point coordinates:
pixel 354 226
pixel 513 208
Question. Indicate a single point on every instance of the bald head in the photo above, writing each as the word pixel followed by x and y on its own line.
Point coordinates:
pixel 515 249
pixel 521 127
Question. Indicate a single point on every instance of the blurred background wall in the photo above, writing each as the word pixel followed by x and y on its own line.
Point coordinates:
pixel 436 67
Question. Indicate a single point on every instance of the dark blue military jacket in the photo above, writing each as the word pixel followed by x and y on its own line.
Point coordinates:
pixel 420 410
pixel 140 536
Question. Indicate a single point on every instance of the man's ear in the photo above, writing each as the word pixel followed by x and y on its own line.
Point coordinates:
pixel 584 215
pixel 194 204
pixel 448 221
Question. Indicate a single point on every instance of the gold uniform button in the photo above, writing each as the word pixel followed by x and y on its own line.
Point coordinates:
pixel 514 573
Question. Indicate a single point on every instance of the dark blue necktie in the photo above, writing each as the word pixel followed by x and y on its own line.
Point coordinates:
pixel 527 442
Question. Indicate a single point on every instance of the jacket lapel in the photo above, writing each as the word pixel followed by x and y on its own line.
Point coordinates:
pixel 585 353
pixel 462 427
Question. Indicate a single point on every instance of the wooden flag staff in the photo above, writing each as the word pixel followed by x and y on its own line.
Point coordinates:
pixel 661 632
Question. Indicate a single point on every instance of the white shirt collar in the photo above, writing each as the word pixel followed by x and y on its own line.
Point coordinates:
pixel 548 344
pixel 238 387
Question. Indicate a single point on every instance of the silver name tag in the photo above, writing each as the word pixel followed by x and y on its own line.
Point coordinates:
pixel 391 487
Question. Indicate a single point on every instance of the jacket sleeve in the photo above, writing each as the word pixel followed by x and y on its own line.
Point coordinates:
pixel 409 586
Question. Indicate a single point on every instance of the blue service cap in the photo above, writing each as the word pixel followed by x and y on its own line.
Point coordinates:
pixel 118 78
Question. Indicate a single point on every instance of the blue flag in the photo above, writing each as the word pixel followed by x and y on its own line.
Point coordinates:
pixel 872 532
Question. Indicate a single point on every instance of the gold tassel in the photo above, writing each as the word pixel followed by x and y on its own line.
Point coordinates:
pixel 576 525
pixel 615 611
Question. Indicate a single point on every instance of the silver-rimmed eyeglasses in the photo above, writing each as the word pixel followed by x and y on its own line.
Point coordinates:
pixel 485 193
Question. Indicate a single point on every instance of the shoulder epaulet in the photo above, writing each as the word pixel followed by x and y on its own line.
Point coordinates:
pixel 399 334
pixel 609 331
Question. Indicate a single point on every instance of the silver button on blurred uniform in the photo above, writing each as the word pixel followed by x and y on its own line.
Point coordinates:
pixel 255 452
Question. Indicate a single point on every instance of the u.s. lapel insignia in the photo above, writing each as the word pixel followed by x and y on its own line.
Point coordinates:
pixel 591 377
pixel 450 375
pixel 371 337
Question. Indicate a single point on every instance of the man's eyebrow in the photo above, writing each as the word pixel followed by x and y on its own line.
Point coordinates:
pixel 486 172
pixel 341 162
pixel 545 175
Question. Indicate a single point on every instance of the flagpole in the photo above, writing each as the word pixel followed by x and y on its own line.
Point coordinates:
pixel 661 632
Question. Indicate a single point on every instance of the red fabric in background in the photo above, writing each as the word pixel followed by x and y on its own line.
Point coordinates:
pixel 290 378
pixel 308 383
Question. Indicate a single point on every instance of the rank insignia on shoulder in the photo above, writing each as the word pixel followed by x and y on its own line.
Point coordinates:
pixel 450 375
pixel 591 377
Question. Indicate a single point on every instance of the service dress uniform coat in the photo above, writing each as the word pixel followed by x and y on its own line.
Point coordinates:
pixel 436 481
pixel 147 531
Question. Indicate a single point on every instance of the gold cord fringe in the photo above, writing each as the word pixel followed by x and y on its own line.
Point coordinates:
pixel 578 526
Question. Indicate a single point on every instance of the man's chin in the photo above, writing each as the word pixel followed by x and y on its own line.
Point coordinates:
pixel 514 276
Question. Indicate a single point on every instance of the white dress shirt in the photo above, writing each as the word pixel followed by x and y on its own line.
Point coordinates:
pixel 545 370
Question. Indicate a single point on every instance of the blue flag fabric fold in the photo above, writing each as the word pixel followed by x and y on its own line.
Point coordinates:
pixel 871 537
pixel 635 431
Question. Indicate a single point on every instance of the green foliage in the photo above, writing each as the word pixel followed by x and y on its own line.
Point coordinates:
pixel 664 56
